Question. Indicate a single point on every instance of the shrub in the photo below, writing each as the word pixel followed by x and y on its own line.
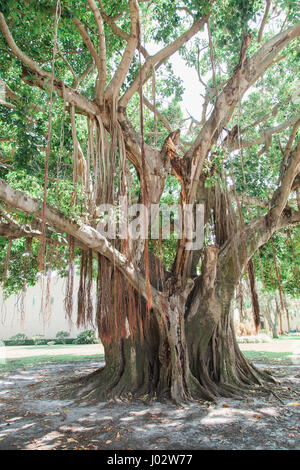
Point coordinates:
pixel 37 340
pixel 18 340
pixel 61 337
pixel 260 338
pixel 86 337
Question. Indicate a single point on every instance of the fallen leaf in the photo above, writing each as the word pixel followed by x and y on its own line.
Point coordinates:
pixel 118 436
pixel 225 406
pixel 108 442
pixel 296 403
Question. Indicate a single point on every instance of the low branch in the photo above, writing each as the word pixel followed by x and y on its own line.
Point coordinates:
pixel 85 234
pixel 249 239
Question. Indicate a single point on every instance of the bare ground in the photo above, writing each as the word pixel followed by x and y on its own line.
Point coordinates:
pixel 33 418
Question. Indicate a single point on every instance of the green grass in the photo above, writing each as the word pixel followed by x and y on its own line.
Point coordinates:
pixel 272 358
pixel 21 363
pixel 289 336
pixel 48 346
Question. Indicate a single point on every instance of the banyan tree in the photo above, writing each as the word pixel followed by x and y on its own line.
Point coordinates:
pixel 86 120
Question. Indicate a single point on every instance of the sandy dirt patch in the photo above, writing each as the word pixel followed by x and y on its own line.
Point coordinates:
pixel 33 418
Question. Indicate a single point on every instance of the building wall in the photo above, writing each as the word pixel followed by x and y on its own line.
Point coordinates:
pixel 35 319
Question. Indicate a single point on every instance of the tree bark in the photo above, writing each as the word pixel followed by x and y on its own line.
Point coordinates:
pixel 187 349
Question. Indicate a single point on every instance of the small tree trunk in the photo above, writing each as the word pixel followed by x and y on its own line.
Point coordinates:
pixel 273 324
pixel 254 296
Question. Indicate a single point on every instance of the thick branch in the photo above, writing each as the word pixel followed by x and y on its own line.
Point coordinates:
pixel 264 20
pixel 102 50
pixel 87 41
pixel 248 239
pixel 42 79
pixel 121 72
pixel 266 133
pixel 160 57
pixel 82 233
pixel 245 74
pixel 18 53
pixel 280 197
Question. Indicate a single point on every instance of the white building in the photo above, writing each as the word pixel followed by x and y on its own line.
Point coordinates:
pixel 26 312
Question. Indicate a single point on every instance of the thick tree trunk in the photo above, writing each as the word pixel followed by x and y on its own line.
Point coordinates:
pixel 153 364
pixel 132 367
pixel 215 358
pixel 187 349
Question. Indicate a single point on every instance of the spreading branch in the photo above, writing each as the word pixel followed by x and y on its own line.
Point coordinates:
pixel 264 20
pixel 121 72
pixel 85 234
pixel 248 70
pixel 160 57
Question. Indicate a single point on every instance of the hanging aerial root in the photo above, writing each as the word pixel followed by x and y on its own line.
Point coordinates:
pixel 7 258
pixel 70 280
pixel 43 230
pixel 81 296
pixel 105 307
pixel 84 297
pixel 254 297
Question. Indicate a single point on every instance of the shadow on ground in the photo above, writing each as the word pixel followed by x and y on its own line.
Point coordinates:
pixel 32 418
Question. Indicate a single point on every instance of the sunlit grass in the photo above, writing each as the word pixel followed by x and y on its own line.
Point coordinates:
pixel 272 358
pixel 21 363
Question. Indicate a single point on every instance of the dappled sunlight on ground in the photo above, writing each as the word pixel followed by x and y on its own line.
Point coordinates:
pixel 31 417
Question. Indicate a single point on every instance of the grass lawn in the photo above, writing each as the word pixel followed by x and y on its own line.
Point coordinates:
pixel 289 336
pixel 43 358
pixel 21 363
pixel 272 358
pixel 47 346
